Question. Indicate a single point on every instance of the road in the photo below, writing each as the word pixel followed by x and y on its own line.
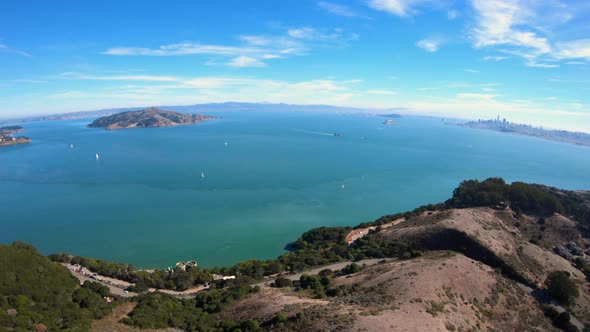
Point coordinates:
pixel 118 287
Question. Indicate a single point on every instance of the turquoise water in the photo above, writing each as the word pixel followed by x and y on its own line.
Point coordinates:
pixel 144 200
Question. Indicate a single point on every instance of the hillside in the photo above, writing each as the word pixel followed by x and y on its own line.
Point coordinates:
pixel 6 136
pixel 495 257
pixel 37 294
pixel 147 118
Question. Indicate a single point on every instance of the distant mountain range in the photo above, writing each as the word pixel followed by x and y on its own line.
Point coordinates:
pixel 213 107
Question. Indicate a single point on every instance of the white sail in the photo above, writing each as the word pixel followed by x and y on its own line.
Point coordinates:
pixel 202 174
pixel 97 156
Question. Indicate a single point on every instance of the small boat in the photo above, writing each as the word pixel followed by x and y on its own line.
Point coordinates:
pixel 388 122
pixel 71 145
pixel 225 143
pixel 203 174
pixel 97 156
pixel 342 186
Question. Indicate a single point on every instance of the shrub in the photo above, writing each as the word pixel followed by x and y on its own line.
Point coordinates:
pixel 283 282
pixel 561 287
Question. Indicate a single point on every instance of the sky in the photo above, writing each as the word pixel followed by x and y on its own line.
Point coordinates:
pixel 527 61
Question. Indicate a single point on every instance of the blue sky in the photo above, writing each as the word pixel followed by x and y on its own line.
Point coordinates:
pixel 528 61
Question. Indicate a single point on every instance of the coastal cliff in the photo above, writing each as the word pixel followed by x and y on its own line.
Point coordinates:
pixel 147 118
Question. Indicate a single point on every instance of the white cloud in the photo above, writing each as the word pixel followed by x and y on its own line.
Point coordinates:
pixel 182 49
pixel 534 64
pixel 6 49
pixel 500 23
pixel 428 45
pixel 453 14
pixel 146 78
pixel 245 61
pixel 495 58
pixel 527 29
pixel 337 9
pixel 467 95
pixel 382 92
pixel 395 7
pixel 256 40
pixel 309 33
pixel 473 71
pixel 294 41
pixel 576 49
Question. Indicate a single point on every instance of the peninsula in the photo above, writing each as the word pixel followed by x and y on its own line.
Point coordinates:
pixel 147 118
pixel 505 126
pixel 6 137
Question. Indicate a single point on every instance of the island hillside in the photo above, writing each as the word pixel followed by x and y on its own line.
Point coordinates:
pixel 6 137
pixel 493 257
pixel 147 118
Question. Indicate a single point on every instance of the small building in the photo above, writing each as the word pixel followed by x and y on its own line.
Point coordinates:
pixel 181 266
pixel 190 265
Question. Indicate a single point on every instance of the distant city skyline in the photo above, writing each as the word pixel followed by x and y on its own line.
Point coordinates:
pixel 527 61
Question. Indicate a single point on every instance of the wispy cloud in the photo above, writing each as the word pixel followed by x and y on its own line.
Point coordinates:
pixel 183 49
pixel 252 49
pixel 145 78
pixel 495 57
pixel 382 92
pixel 473 71
pixel 469 95
pixel 453 14
pixel 338 9
pixel 429 45
pixel 526 29
pixel 6 49
pixel 576 49
pixel 245 61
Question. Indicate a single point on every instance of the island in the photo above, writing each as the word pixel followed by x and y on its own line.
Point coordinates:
pixel 150 117
pixel 392 115
pixel 502 125
pixel 6 136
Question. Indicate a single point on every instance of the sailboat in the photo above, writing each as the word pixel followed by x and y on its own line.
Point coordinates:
pixel 225 143
pixel 72 146
pixel 97 156
pixel 202 174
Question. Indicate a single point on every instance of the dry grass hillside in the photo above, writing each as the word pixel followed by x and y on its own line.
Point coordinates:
pixel 441 291
pixel 471 278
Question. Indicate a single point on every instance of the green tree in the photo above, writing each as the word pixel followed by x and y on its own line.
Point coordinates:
pixel 561 287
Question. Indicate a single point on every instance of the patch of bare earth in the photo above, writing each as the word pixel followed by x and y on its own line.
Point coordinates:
pixel 111 323
pixel 444 291
pixel 267 303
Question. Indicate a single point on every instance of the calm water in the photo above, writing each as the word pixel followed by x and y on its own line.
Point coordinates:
pixel 144 201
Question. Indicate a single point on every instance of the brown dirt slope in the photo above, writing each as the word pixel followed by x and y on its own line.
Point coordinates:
pixel 440 291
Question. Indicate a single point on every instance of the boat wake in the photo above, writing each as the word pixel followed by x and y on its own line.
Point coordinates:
pixel 319 133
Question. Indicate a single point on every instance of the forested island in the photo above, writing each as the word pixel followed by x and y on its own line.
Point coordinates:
pixel 147 118
pixel 7 138
pixel 495 256
pixel 505 126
